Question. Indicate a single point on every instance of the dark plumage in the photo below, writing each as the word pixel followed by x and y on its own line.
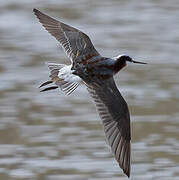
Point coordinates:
pixel 97 73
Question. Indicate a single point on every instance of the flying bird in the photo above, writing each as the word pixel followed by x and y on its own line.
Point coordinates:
pixel 96 72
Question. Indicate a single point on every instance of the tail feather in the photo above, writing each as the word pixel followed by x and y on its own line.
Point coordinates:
pixel 49 88
pixel 62 76
pixel 54 74
pixel 52 66
pixel 45 83
pixel 68 89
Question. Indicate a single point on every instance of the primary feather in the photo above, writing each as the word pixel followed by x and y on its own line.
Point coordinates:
pixel 96 72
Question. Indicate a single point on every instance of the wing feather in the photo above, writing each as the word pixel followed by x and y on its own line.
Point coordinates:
pixel 75 43
pixel 114 113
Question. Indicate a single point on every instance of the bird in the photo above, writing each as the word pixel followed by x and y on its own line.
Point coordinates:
pixel 96 72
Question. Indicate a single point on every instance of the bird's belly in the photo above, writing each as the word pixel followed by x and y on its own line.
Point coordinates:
pixel 101 72
pixel 92 72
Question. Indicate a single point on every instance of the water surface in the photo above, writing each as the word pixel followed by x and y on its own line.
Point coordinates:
pixel 50 136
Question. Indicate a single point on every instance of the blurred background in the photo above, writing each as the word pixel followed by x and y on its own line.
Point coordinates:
pixel 50 136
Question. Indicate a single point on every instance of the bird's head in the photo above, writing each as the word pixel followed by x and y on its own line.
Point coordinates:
pixel 126 58
pixel 121 62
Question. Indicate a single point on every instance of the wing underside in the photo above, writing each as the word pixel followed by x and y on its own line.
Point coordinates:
pixel 111 106
pixel 114 113
pixel 62 76
pixel 75 43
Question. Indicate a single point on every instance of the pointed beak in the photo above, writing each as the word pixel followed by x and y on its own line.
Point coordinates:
pixel 138 62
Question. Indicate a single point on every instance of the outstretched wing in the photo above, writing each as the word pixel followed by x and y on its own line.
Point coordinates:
pixel 75 43
pixel 114 113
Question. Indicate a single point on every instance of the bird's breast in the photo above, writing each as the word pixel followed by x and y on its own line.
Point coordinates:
pixel 95 69
pixel 118 66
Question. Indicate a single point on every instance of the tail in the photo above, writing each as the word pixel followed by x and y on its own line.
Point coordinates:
pixel 62 76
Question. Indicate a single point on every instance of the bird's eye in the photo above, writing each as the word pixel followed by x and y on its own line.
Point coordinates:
pixel 127 58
